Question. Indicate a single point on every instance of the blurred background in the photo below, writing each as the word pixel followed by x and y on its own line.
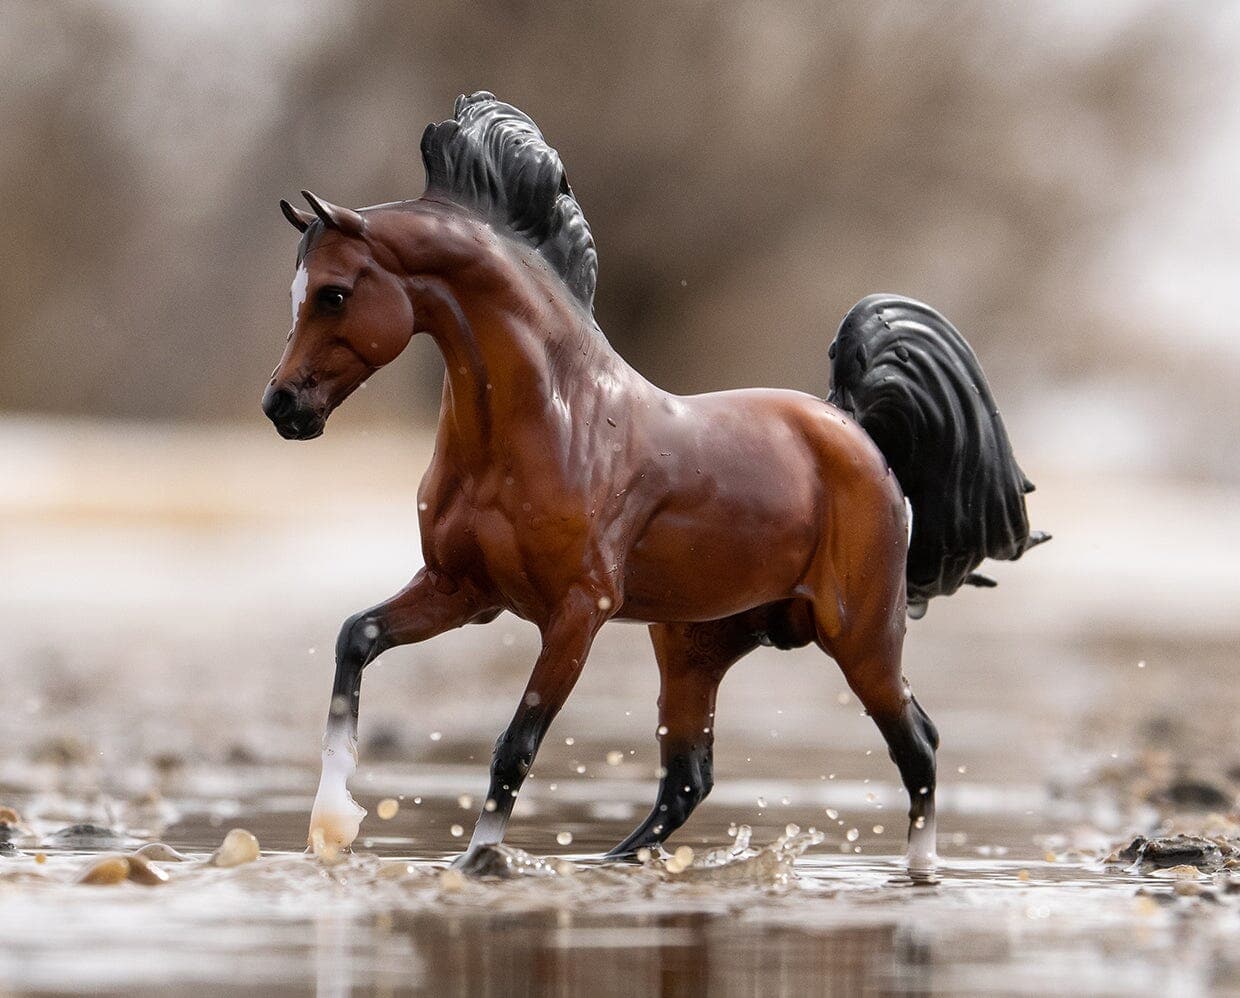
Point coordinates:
pixel 1058 178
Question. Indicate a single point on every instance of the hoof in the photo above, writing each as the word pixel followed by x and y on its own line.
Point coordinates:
pixel 483 861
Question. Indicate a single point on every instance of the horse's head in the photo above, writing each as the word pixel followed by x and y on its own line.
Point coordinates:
pixel 351 316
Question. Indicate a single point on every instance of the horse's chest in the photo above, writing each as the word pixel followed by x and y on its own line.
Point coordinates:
pixel 509 538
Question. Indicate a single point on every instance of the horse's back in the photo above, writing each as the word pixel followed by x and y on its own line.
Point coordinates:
pixel 745 490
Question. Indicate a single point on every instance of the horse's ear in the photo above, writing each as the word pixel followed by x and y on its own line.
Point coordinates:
pixel 300 220
pixel 346 220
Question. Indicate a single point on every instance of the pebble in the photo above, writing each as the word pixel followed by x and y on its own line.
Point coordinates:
pixel 141 871
pixel 105 870
pixel 238 847
pixel 160 853
pixel 86 836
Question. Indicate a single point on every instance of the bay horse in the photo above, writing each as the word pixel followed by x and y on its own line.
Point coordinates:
pixel 567 489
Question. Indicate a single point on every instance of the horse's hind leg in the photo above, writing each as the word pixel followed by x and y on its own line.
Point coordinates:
pixel 868 652
pixel 692 660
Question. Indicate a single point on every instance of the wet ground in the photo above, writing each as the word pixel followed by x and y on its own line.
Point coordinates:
pixel 170 603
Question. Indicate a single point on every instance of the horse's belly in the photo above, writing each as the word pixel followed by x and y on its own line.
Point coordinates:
pixel 691 567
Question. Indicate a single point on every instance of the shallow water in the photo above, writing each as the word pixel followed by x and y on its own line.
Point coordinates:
pixel 391 918
pixel 166 663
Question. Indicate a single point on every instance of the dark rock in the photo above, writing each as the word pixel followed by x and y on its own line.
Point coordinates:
pixel 87 836
pixel 1175 850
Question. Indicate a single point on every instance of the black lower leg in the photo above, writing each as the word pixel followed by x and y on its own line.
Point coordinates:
pixel 510 765
pixel 687 780
pixel 911 741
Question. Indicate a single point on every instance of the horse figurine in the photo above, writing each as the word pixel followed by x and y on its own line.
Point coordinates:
pixel 567 489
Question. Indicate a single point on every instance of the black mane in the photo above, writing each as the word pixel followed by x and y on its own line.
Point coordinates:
pixel 492 158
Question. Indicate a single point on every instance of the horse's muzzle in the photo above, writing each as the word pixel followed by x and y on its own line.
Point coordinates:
pixel 292 420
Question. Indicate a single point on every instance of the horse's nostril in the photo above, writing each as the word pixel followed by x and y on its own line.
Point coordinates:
pixel 279 404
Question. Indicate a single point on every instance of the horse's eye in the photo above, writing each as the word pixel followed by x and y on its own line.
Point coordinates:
pixel 332 299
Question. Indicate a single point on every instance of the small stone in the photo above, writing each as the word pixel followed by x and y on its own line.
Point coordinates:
pixel 86 836
pixel 105 871
pixel 160 853
pixel 238 847
pixel 142 871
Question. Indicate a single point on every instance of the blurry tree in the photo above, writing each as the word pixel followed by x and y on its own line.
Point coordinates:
pixel 749 169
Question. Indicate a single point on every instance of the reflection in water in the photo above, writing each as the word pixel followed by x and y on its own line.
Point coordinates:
pixel 688 953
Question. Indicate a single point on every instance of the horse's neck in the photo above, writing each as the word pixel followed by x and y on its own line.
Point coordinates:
pixel 519 362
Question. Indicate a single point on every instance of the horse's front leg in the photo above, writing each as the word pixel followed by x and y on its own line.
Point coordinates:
pixel 430 604
pixel 567 638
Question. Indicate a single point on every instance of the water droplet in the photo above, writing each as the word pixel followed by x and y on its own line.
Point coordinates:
pixel 832 813
pixel 570 741
pixel 761 802
pixel 852 835
pixel 457 831
pixel 581 769
pixel 387 808
pixel 878 829
pixel 436 735
pixel 604 602
pixel 490 805
pixel 465 801
pixel 962 769
pixel 564 838
pixel 662 730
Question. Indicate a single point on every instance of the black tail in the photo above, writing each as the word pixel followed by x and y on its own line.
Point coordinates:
pixel 910 379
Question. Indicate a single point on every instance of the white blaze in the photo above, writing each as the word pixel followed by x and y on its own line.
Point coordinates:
pixel 297 292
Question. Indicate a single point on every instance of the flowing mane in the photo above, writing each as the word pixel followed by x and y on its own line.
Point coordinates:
pixel 491 158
